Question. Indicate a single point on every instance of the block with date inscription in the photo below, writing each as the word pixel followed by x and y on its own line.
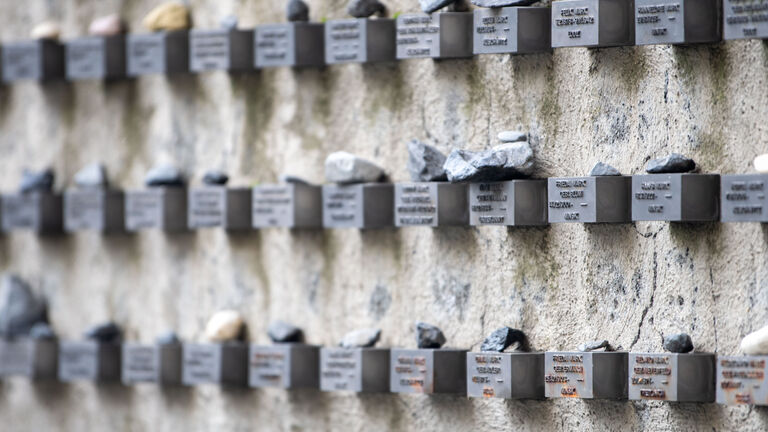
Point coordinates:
pixel 89 361
pixel 360 370
pixel 100 210
pixel 512 30
pixel 428 371
pixel 289 205
pixel 219 206
pixel 96 57
pixel 601 199
pixel 677 21
pixel 223 364
pixel 29 358
pixel 593 23
pixel 284 365
pixel 295 44
pixel 359 40
pixel 163 208
pixel 585 375
pixel 509 203
pixel 743 198
pixel 672 377
pixel 34 60
pixel 518 375
pixel 676 197
pixel 221 49
pixel 151 363
pixel 158 53
pixel 431 204
pixel 39 211
pixel 361 206
pixel 440 35
pixel 742 380
pixel 745 19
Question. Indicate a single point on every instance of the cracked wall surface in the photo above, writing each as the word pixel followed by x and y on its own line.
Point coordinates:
pixel 563 284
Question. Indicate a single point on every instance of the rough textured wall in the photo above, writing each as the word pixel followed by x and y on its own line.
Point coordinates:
pixel 562 284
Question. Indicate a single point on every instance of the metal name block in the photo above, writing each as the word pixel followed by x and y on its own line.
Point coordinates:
pixel 362 206
pixel 39 60
pixel 676 197
pixel 428 371
pixel 742 380
pixel 585 375
pixel 590 199
pixel 743 198
pixel 40 212
pixel 512 30
pixel 96 57
pixel 224 364
pixel 89 361
pixel 159 364
pixel 230 50
pixel 511 203
pixel 361 370
pixel 439 36
pixel 593 23
pixel 677 21
pixel 158 53
pixel 289 205
pixel 34 359
pixel 505 375
pixel 745 19
pixel 431 204
pixel 359 40
pixel 672 377
pixel 286 366
pixel 295 44
pixel 163 208
pixel 219 206
pixel 94 209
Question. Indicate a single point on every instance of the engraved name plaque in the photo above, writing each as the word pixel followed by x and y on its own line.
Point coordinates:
pixel 741 380
pixel 511 203
pixel 359 40
pixel 38 60
pixel 230 50
pixel 361 206
pixel 438 36
pixel 219 206
pixel 677 21
pixel 292 44
pixel 676 197
pixel 428 371
pixel 672 377
pixel 289 205
pixel 505 375
pixel 603 199
pixel 159 364
pixel 361 370
pixel 89 361
pixel 585 375
pixel 593 23
pixel 158 53
pixel 286 366
pixel 162 208
pixel 743 198
pixel 224 364
pixel 94 209
pixel 40 212
pixel 431 204
pixel 33 359
pixel 96 58
pixel 745 19
pixel 512 30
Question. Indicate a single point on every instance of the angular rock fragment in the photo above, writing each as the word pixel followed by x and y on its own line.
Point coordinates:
pixel 503 338
pixel 20 309
pixel 297 11
pixel 429 336
pixel 164 175
pixel 215 178
pixel 104 333
pixel 36 181
pixel 761 164
pixel 678 343
pixel 168 338
pixel 512 136
pixel 425 163
pixel 429 6
pixel 756 343
pixel 345 168
pixel 92 176
pixel 225 325
pixel 109 25
pixel 42 331
pixel 603 170
pixel 46 30
pixel 365 8
pixel 595 345
pixel 503 162
pixel 674 163
pixel 168 16
pixel 361 338
pixel 281 331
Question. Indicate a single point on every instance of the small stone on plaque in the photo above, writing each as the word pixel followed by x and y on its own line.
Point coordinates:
pixel 756 343
pixel 439 36
pixel 586 374
pixel 346 168
pixel 168 16
pixel 108 25
pixel 283 332
pixel 225 325
pixel 365 8
pixel 592 23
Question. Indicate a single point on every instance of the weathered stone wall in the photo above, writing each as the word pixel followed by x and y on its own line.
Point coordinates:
pixel 562 284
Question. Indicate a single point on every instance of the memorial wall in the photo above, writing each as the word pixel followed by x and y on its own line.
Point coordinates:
pixel 634 282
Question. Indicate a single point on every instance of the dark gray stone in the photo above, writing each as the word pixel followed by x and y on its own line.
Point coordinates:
pixel 365 8
pixel 504 162
pixel 503 338
pixel 32 181
pixel 512 136
pixel 361 338
pixel 42 331
pixel 92 176
pixel 674 163
pixel 168 338
pixel 459 6
pixel 595 345
pixel 104 333
pixel 215 178
pixel 229 22
pixel 603 170
pixel 429 336
pixel 425 163
pixel 20 309
pixel 678 343
pixel 288 178
pixel 281 331
pixel 164 175
pixel 346 168
pixel 297 11
pixel 429 6
pixel 502 3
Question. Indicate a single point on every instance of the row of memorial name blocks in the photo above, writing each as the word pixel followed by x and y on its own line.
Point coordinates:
pixel 692 377
pixel 609 199
pixel 589 23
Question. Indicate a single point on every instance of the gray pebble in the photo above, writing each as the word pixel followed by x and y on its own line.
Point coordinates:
pixel 92 176
pixel 168 338
pixel 429 6
pixel 429 336
pixel 365 8
pixel 37 181
pixel 297 11
pixel 42 331
pixel 20 309
pixel 346 168
pixel 104 333
pixel 425 163
pixel 164 175
pixel 215 178
pixel 674 163
pixel 502 3
pixel 503 162
pixel 503 338
pixel 288 178
pixel 281 331
pixel 361 338
pixel 229 22
pixel 512 136
pixel 678 343
pixel 603 170
pixel 595 345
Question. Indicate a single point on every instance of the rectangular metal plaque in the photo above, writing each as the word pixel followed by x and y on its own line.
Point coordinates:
pixel 743 198
pixel 39 60
pixel 219 206
pixel 287 366
pixel 89 361
pixel 33 359
pixel 289 205
pixel 355 369
pixel 439 35
pixel 94 209
pixel 221 49
pixel 160 207
pixel 676 197
pixel 428 371
pixel 359 40
pixel 653 377
pixel 511 203
pixel 431 204
pixel 37 211
pixel 290 44
pixel 158 53
pixel 361 206
pixel 677 21
pixel 592 23
pixel 140 363
pixel 589 199
pixel 585 375
pixel 96 58
pixel 201 364
pixel 511 30
pixel 741 380
pixel 745 19
pixel 505 375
